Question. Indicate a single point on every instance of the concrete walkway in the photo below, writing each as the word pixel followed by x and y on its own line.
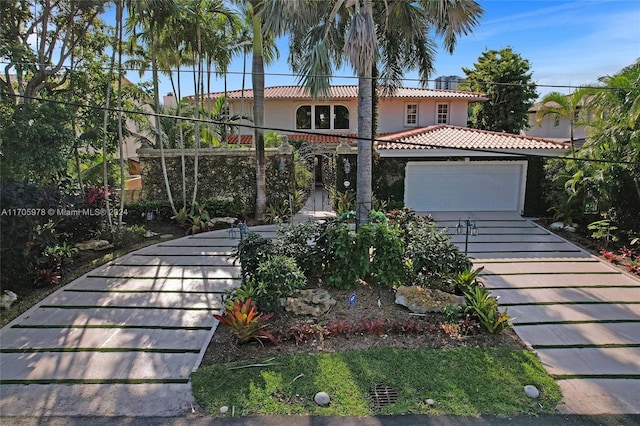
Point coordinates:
pixel 580 315
pixel 123 339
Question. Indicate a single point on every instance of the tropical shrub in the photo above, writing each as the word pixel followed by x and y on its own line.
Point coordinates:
pixel 300 243
pixel 432 258
pixel 246 322
pixel 252 251
pixel 484 307
pixel 387 260
pixel 345 255
pixel 276 277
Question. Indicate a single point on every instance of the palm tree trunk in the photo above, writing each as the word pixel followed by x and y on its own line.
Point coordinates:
pixel 105 123
pixel 178 93
pixel 199 85
pixel 119 7
pixel 257 76
pixel 156 95
pixel 365 148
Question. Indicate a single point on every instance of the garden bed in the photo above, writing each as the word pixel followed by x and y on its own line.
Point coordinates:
pixel 225 348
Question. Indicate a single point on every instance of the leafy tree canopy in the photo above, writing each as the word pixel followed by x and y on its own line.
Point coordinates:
pixel 505 77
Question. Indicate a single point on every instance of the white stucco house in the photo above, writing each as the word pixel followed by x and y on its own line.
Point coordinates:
pixel 445 166
pixel 555 127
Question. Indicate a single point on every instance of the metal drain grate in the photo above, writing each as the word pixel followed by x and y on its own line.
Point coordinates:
pixel 382 395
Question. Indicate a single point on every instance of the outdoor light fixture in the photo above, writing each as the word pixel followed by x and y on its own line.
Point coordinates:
pixel 281 165
pixel 347 165
pixel 467 227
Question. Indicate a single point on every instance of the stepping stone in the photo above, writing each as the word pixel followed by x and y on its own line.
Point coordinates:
pixel 548 268
pixel 152 400
pixel 101 338
pixel 97 366
pixel 560 280
pixel 205 301
pixel 590 361
pixel 580 334
pixel 493 239
pixel 547 256
pixel 600 396
pixel 540 247
pixel 110 316
pixel 184 251
pixel 175 260
pixel 491 230
pixel 209 285
pixel 568 295
pixel 552 313
pixel 184 272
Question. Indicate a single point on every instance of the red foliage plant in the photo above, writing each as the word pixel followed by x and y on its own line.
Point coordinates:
pixel 246 322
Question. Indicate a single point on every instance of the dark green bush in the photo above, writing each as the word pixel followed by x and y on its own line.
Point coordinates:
pixel 345 256
pixel 276 277
pixel 253 250
pixel 300 242
pixel 432 258
pixel 387 261
pixel 123 235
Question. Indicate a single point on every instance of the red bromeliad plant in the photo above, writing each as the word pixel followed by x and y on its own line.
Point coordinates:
pixel 246 322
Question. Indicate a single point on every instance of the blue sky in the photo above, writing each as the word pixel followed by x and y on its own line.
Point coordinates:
pixel 568 43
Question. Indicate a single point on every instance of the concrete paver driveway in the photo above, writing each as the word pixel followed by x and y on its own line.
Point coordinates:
pixel 580 315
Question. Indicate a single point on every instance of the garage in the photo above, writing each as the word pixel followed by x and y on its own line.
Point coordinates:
pixel 465 185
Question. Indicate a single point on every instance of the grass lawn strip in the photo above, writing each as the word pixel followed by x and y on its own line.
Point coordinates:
pixel 461 381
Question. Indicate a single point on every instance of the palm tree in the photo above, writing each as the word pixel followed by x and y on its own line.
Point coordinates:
pixel 558 105
pixel 151 16
pixel 392 36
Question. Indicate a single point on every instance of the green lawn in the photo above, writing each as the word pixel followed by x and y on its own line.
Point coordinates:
pixel 463 381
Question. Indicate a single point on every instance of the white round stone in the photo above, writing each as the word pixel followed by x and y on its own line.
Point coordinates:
pixel 224 409
pixel 322 399
pixel 531 391
pixel 430 402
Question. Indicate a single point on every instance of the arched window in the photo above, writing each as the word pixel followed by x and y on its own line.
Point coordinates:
pixel 303 117
pixel 340 117
pixel 320 117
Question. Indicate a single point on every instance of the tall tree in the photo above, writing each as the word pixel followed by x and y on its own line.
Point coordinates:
pixel 38 39
pixel 392 36
pixel 150 16
pixel 505 77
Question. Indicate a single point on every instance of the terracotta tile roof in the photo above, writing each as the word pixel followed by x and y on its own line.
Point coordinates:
pixel 346 92
pixel 444 136
pixel 248 139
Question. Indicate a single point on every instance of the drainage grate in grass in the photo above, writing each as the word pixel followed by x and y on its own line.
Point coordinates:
pixel 382 395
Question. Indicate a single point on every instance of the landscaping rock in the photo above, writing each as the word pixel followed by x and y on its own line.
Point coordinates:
pixel 531 391
pixel 430 402
pixel 166 236
pixel 94 245
pixel 322 399
pixel 422 300
pixel 221 220
pixel 7 299
pixel 151 234
pixel 314 302
pixel 224 409
pixel 557 226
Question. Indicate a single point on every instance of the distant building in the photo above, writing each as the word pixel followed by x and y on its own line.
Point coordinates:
pixel 448 82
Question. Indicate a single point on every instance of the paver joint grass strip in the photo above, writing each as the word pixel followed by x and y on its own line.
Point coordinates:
pixel 113 326
pixel 98 350
pixel 93 381
pixel 179 308
pixel 90 290
pixel 591 321
pixel 589 346
pixel 596 376
pixel 586 302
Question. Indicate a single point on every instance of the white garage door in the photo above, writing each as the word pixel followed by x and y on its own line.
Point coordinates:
pixel 465 186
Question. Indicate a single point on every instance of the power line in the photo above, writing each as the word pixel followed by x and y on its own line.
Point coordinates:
pixel 311 133
pixel 350 77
